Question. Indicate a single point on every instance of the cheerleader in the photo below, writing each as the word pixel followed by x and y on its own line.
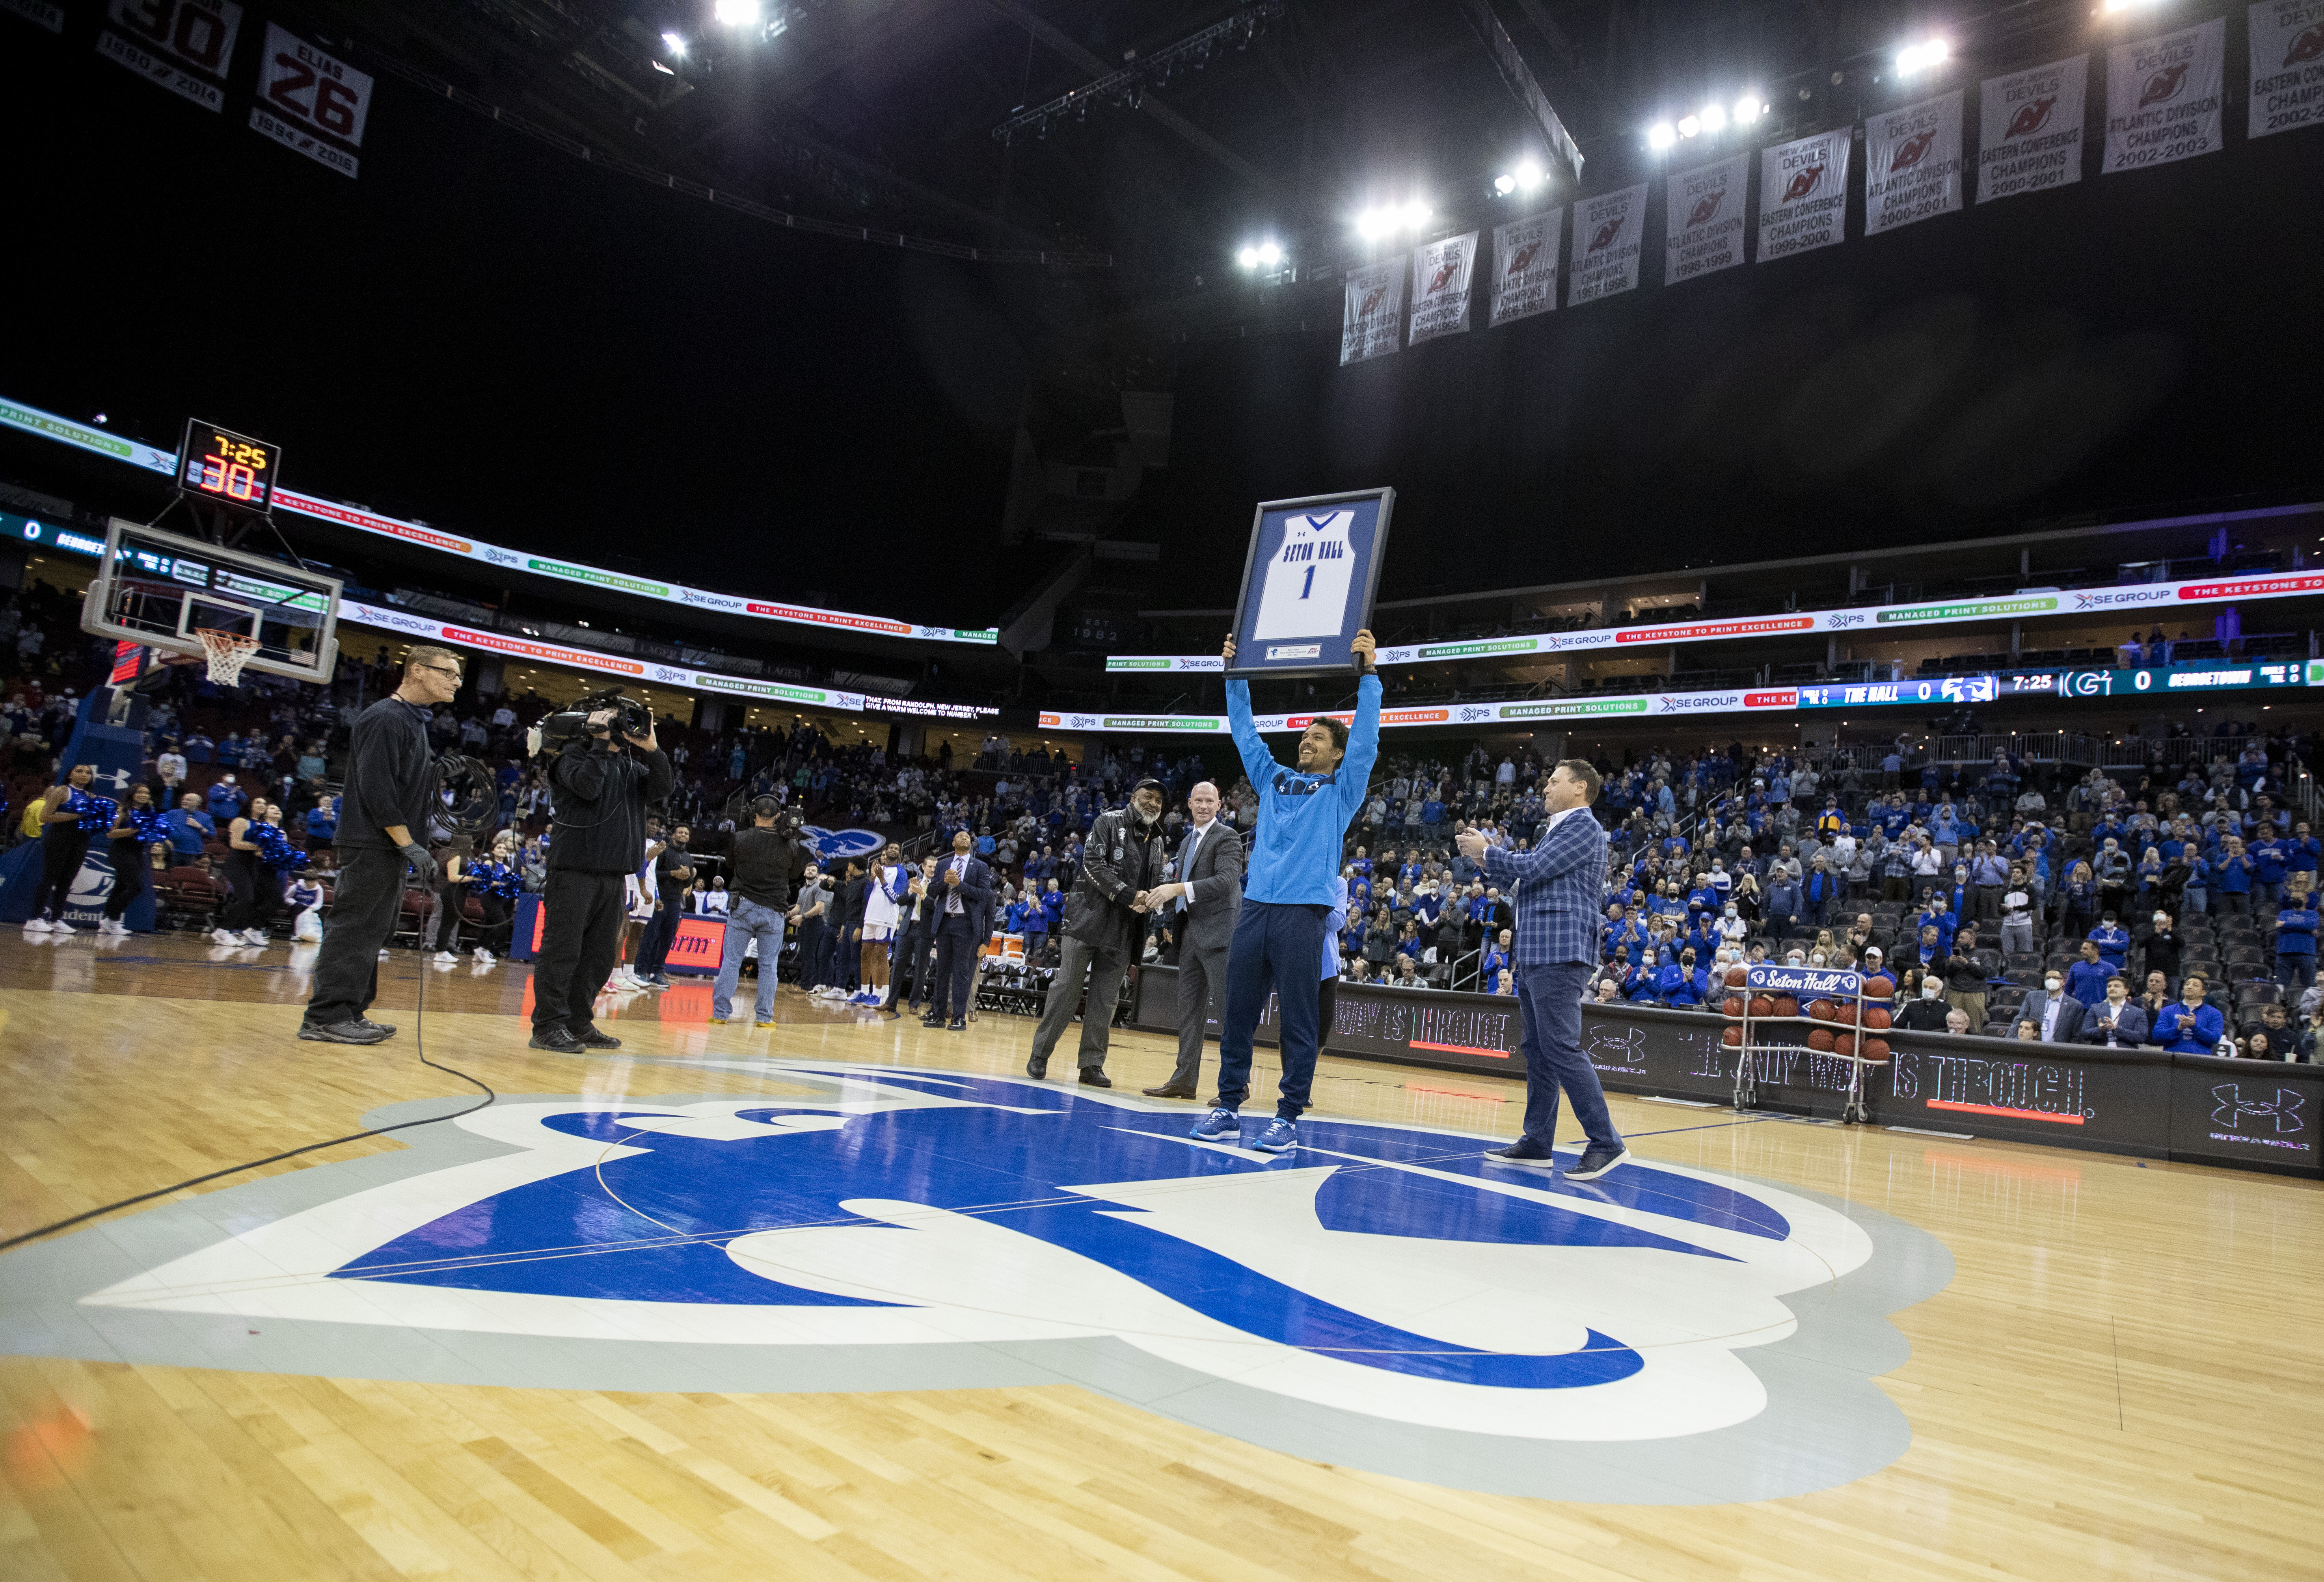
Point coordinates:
pixel 496 885
pixel 69 815
pixel 453 883
pixel 278 861
pixel 139 829
pixel 238 926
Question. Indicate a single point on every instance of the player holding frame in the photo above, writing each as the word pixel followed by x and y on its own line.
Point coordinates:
pixel 1295 856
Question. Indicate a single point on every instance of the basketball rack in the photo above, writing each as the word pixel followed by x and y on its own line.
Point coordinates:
pixel 1803 988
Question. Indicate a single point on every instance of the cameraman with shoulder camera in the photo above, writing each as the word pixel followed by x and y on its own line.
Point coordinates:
pixel 391 793
pixel 600 793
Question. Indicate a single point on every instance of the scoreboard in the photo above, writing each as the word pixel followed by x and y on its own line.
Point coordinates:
pixel 226 468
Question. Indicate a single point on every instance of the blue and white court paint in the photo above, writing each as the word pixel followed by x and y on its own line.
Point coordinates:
pixel 1381 1298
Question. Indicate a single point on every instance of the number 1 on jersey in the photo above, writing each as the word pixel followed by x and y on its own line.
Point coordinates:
pixel 1309 585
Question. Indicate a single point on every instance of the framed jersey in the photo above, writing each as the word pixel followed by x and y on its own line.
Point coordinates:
pixel 1308 580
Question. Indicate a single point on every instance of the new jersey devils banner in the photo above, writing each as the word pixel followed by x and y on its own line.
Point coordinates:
pixel 1609 237
pixel 1912 163
pixel 2287 65
pixel 2162 97
pixel 1524 266
pixel 1803 194
pixel 1440 287
pixel 1374 326
pixel 2030 129
pixel 1704 229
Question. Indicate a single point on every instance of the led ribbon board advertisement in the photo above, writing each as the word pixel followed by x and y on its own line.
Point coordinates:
pixel 1308 580
pixel 48 426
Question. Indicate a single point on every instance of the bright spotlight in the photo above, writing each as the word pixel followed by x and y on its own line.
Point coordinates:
pixel 1505 184
pixel 1529 175
pixel 1713 117
pixel 1248 258
pixel 673 43
pixel 1920 57
pixel 1270 255
pixel 737 13
pixel 1660 135
pixel 1747 109
pixel 1368 225
pixel 1688 125
pixel 1415 214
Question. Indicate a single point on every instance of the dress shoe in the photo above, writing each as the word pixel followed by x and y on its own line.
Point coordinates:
pixel 1091 1077
pixel 1037 1069
pixel 1168 1092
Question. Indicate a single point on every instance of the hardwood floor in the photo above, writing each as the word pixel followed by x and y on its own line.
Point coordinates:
pixel 2120 1378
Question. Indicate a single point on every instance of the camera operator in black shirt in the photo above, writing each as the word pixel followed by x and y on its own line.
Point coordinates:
pixel 599 793
pixel 391 793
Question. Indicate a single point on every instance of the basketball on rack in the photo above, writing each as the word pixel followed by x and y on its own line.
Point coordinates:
pixel 1820 1009
pixel 1761 1005
pixel 1787 1005
pixel 1733 1006
pixel 1819 1040
pixel 1732 1037
pixel 1876 1017
pixel 1844 1044
pixel 1881 987
pixel 1736 977
pixel 1843 1011
pixel 1873 1049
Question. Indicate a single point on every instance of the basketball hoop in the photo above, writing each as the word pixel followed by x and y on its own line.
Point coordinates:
pixel 228 651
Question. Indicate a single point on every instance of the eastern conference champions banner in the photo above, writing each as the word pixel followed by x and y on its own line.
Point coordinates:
pixel 2030 129
pixel 1803 194
pixel 1609 237
pixel 1440 273
pixel 1524 266
pixel 1913 163
pixel 1704 230
pixel 2287 65
pixel 2162 97
pixel 1374 326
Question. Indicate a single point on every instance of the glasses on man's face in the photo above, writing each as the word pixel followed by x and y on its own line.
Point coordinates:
pixel 442 670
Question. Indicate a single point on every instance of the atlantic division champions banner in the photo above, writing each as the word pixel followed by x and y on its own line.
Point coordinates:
pixel 2162 97
pixel 1374 325
pixel 1912 163
pixel 1704 230
pixel 2030 129
pixel 1440 273
pixel 1803 194
pixel 1609 237
pixel 1524 266
pixel 2287 65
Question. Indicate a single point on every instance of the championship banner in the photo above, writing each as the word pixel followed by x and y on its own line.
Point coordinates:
pixel 2287 66
pixel 2162 97
pixel 1440 273
pixel 2030 129
pixel 1912 163
pixel 1803 194
pixel 1703 230
pixel 309 102
pixel 169 42
pixel 1374 326
pixel 1524 266
pixel 1609 237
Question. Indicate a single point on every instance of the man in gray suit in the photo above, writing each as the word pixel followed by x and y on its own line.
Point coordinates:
pixel 2057 1015
pixel 1203 898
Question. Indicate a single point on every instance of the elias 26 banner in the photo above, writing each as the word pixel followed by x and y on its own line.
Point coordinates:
pixel 1609 238
pixel 2287 65
pixel 183 45
pixel 1704 230
pixel 2030 129
pixel 309 102
pixel 1440 273
pixel 1803 194
pixel 2162 97
pixel 1913 163
pixel 1524 266
pixel 1374 325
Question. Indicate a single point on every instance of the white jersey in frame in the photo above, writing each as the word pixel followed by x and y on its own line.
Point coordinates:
pixel 1304 591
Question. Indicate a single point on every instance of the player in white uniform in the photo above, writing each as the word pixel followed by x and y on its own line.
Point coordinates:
pixel 891 881
pixel 1305 583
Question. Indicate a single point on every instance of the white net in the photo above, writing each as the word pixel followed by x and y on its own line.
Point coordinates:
pixel 228 651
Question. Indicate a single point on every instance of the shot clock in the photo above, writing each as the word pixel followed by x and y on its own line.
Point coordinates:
pixel 230 469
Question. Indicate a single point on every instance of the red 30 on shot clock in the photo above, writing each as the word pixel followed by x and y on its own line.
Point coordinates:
pixel 231 469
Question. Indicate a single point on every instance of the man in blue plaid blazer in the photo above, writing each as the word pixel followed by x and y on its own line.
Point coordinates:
pixel 1558 886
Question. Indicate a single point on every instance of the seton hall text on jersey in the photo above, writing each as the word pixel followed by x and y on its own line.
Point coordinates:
pixel 1329 549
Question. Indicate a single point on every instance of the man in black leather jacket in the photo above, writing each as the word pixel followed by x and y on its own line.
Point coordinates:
pixel 1105 918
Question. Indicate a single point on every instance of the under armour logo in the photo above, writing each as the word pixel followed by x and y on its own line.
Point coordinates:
pixel 2233 1106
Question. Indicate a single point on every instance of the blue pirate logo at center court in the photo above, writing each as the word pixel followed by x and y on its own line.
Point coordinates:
pixel 1382 1270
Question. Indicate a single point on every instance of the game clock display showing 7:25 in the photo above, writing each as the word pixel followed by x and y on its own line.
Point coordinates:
pixel 230 469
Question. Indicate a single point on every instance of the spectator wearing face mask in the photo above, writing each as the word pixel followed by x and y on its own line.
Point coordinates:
pixel 1965 978
pixel 2056 1015
pixel 2113 940
pixel 2017 916
pixel 2159 943
pixel 1926 1012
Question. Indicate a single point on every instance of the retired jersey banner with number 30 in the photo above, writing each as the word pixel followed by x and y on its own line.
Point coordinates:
pixel 1803 194
pixel 2162 97
pixel 1913 163
pixel 1374 326
pixel 1440 273
pixel 2287 65
pixel 1524 266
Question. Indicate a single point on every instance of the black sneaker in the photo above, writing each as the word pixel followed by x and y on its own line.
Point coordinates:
pixel 956 1025
pixel 931 1021
pixel 1093 1077
pixel 349 1032
pixel 1520 1153
pixel 1597 1162
pixel 554 1039
pixel 385 1031
pixel 593 1039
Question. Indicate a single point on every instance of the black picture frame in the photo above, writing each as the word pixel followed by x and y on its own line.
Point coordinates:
pixel 1245 666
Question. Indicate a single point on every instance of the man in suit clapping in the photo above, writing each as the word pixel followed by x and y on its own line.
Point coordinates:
pixel 964 889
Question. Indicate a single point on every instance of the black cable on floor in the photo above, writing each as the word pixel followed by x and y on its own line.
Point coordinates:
pixel 420 1042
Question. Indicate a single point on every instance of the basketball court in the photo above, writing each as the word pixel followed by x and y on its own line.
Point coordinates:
pixel 848 1297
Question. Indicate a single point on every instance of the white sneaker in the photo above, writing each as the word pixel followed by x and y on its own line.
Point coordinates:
pixel 58 926
pixel 484 955
pixel 36 925
pixel 112 926
pixel 446 956
pixel 255 936
pixel 219 936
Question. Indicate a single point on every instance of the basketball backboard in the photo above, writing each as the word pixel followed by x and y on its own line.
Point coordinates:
pixel 162 589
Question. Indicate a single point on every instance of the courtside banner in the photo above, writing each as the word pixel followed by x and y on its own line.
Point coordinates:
pixel 2030 129
pixel 1440 273
pixel 1609 237
pixel 1803 194
pixel 1704 230
pixel 1374 326
pixel 2162 97
pixel 1524 266
pixel 2287 66
pixel 1912 163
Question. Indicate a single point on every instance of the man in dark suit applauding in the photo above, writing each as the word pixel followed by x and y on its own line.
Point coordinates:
pixel 1203 899
pixel 963 918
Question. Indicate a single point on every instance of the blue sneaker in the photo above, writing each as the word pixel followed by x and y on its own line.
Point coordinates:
pixel 1280 1135
pixel 1219 1126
